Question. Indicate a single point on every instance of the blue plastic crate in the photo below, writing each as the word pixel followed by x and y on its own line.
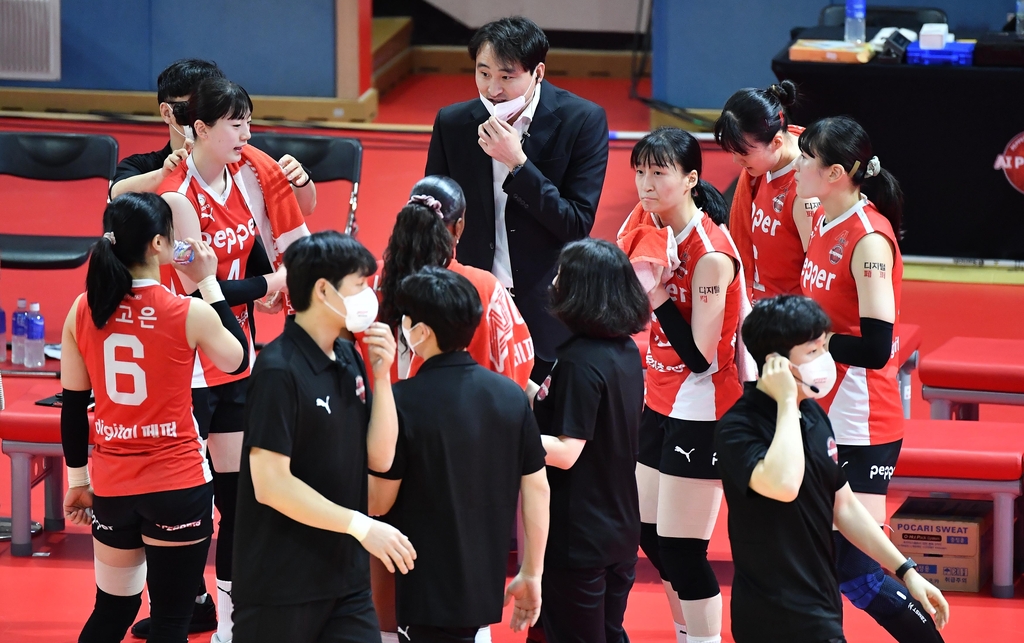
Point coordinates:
pixel 954 53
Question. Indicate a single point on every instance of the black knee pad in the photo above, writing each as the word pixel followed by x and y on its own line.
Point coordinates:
pixel 860 577
pixel 111 617
pixel 651 548
pixel 901 615
pixel 225 497
pixel 686 564
pixel 172 578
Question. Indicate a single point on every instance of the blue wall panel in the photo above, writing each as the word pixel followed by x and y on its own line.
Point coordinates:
pixel 705 50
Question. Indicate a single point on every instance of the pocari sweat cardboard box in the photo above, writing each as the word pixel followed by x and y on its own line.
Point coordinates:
pixel 957 573
pixel 942 526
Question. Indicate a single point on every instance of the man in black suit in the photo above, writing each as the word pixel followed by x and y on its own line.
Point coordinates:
pixel 531 159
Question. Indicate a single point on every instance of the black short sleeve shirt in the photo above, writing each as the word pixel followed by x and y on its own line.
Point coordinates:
pixel 595 393
pixel 316 411
pixel 467 438
pixel 785 580
pixel 137 164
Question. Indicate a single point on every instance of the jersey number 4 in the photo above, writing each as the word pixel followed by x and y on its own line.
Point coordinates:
pixel 112 367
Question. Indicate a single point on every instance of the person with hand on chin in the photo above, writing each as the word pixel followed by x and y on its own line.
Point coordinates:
pixel 312 430
pixel 785 489
pixel 531 158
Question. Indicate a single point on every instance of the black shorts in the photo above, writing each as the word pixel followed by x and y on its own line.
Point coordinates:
pixel 350 619
pixel 432 634
pixel 221 408
pixel 869 468
pixel 682 448
pixel 182 515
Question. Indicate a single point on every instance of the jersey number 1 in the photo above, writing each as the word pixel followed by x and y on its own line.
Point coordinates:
pixel 112 368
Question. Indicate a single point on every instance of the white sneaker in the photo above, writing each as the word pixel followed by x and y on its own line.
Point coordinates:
pixel 216 639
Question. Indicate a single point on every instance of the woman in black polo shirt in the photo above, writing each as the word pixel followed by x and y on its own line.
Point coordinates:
pixel 589 410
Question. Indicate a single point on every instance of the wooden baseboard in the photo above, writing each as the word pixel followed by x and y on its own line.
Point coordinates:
pixel 85 101
pixel 561 63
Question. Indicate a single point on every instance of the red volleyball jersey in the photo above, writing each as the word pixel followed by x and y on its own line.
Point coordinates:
pixel 672 388
pixel 227 225
pixel 864 406
pixel 140 365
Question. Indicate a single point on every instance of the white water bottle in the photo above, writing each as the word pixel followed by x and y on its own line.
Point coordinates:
pixel 35 338
pixel 19 329
pixel 856 11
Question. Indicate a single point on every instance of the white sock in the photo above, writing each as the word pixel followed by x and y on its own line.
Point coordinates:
pixel 704 639
pixel 483 635
pixel 201 599
pixel 224 608
pixel 681 633
pixel 389 637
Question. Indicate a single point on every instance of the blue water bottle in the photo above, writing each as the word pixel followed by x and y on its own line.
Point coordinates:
pixel 3 335
pixel 35 337
pixel 856 11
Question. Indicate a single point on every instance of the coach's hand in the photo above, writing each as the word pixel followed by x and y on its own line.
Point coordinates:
pixel 526 592
pixel 78 506
pixel 929 596
pixel 381 344
pixel 778 379
pixel 501 142
pixel 390 546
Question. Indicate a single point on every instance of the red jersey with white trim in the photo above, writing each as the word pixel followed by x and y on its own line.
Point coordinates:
pixel 864 406
pixel 140 365
pixel 227 225
pixel 672 388
pixel 502 341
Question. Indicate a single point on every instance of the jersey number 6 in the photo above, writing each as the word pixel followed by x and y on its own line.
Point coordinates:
pixel 112 368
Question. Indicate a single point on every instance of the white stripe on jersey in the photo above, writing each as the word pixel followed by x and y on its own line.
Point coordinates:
pixel 849 411
pixel 207 474
pixel 695 399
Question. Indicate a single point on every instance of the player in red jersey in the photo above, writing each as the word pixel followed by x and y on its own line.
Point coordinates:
pixel 133 342
pixel 425 234
pixel 210 201
pixel 769 222
pixel 692 377
pixel 854 270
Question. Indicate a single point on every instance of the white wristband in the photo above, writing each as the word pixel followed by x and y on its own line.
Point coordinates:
pixel 210 290
pixel 359 526
pixel 78 476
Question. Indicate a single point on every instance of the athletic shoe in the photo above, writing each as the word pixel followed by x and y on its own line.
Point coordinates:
pixel 216 639
pixel 204 619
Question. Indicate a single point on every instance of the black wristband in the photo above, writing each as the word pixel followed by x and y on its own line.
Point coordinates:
pixel 230 322
pixel 74 427
pixel 309 177
pixel 905 567
pixel 871 350
pixel 680 335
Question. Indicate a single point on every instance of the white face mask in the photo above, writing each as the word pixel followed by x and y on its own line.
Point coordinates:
pixel 820 372
pixel 506 110
pixel 361 308
pixel 406 332
pixel 189 134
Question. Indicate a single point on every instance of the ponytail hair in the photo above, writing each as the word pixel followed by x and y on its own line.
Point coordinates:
pixel 213 99
pixel 419 238
pixel 130 222
pixel 667 146
pixel 842 141
pixel 448 194
pixel 754 115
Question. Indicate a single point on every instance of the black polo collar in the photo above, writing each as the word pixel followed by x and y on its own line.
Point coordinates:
pixel 317 359
pixel 763 402
pixel 443 360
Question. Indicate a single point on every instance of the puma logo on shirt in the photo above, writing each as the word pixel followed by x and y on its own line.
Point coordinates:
pixel 404 633
pixel 326 403
pixel 686 453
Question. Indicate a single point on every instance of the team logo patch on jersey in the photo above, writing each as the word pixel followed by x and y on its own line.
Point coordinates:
pixel 205 209
pixel 779 201
pixel 833 450
pixel 835 255
pixel 1011 162
pixel 360 389
pixel 544 388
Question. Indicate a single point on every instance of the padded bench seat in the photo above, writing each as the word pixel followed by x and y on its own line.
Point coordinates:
pixel 968 371
pixel 987 458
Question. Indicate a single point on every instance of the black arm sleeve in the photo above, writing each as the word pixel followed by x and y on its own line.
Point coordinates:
pixel 680 335
pixel 258 263
pixel 74 427
pixel 240 291
pixel 228 319
pixel 871 350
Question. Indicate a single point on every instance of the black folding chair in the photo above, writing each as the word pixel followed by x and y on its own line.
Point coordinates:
pixel 834 15
pixel 52 157
pixel 328 158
